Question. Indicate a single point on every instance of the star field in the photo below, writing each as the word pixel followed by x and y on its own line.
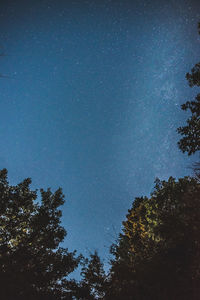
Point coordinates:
pixel 93 102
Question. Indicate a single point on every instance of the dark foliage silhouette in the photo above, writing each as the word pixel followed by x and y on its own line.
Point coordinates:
pixel 32 265
pixel 157 255
pixel 190 142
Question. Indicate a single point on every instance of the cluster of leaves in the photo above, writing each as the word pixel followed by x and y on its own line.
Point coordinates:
pixel 190 142
pixel 157 255
pixel 94 279
pixel 32 266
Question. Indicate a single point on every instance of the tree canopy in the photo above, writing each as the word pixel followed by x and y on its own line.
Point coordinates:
pixel 32 265
pixel 190 142
pixel 157 255
pixel 93 283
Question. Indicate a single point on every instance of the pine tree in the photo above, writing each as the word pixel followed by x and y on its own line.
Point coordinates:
pixel 94 280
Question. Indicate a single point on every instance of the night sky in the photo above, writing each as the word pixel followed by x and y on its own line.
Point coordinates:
pixel 92 103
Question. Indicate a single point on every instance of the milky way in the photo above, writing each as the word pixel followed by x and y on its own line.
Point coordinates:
pixel 93 103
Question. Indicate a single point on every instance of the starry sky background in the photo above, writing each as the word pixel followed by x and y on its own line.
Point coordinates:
pixel 93 102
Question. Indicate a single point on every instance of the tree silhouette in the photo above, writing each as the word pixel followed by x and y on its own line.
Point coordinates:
pixel 93 284
pixel 94 276
pixel 32 265
pixel 190 142
pixel 157 255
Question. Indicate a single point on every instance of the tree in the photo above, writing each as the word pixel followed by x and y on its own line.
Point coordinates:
pixel 157 255
pixel 32 265
pixel 190 142
pixel 94 280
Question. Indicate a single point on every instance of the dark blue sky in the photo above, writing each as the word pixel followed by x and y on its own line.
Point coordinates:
pixel 93 103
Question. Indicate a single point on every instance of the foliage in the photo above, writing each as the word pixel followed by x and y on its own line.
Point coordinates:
pixel 157 255
pixel 33 266
pixel 190 142
pixel 93 283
